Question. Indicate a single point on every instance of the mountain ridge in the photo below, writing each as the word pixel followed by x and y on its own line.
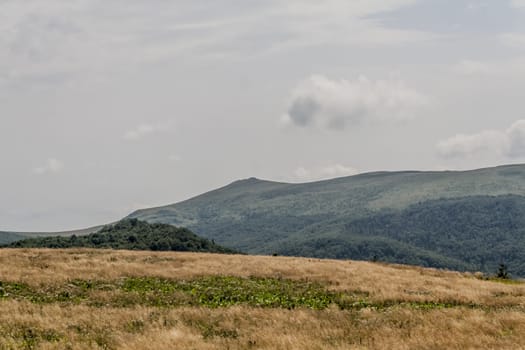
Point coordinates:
pixel 265 217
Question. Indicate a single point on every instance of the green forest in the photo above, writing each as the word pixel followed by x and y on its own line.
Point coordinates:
pixel 130 234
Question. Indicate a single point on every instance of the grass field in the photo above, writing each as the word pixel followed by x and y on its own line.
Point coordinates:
pixel 99 299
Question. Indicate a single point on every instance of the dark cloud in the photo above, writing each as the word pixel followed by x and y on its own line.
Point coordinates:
pixel 303 110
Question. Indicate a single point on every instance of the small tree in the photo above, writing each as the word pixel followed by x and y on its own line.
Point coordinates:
pixel 503 272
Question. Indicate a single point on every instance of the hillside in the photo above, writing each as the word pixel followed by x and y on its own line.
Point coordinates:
pixel 468 233
pixel 107 299
pixel 354 217
pixel 131 234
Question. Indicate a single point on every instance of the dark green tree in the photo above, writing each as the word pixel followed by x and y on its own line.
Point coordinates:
pixel 503 272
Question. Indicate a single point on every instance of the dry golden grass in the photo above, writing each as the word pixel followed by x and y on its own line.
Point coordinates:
pixel 495 320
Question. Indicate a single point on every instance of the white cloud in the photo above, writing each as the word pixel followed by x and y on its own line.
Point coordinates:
pixel 142 131
pixel 52 166
pixel 56 40
pixel 508 143
pixel 174 158
pixel 302 173
pixel 514 40
pixel 509 67
pixel 470 67
pixel 468 145
pixel 341 22
pixel 476 5
pixel 516 136
pixel 337 170
pixel 326 172
pixel 517 3
pixel 319 101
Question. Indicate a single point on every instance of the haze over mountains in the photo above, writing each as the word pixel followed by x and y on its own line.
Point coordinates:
pixel 468 220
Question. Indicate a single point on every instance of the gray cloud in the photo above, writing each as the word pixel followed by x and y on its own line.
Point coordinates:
pixel 509 143
pixel 139 132
pixel 52 165
pixel 146 129
pixel 86 37
pixel 471 67
pixel 303 110
pixel 335 104
pixel 475 68
pixel 513 40
pixel 467 16
pixel 517 3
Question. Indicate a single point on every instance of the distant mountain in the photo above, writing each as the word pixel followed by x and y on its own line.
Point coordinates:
pixel 129 234
pixel 466 220
pixel 8 237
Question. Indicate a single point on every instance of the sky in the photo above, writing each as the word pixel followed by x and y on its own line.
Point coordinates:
pixel 108 106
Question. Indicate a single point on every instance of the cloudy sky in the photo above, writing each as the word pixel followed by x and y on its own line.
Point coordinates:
pixel 107 106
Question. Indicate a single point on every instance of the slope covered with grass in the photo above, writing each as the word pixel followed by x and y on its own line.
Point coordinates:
pixel 107 299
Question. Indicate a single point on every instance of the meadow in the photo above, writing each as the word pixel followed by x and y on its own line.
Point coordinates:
pixel 105 299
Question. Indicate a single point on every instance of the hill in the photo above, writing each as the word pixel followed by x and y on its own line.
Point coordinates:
pixel 107 299
pixel 8 237
pixel 131 234
pixel 440 219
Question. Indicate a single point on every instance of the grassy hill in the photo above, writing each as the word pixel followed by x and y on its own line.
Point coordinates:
pixel 440 219
pixel 131 234
pixel 107 299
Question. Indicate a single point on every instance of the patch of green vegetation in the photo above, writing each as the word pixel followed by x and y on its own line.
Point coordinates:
pixel 223 291
pixel 348 303
pixel 135 326
pixel 212 328
pixel 28 337
pixel 504 280
pixel 437 305
pixel 92 333
pixel 130 234
pixel 75 291
pixel 104 339
pixel 209 292
pixel 212 292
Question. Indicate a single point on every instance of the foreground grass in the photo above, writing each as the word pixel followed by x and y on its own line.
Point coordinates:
pixel 212 292
pixel 91 299
pixel 25 326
